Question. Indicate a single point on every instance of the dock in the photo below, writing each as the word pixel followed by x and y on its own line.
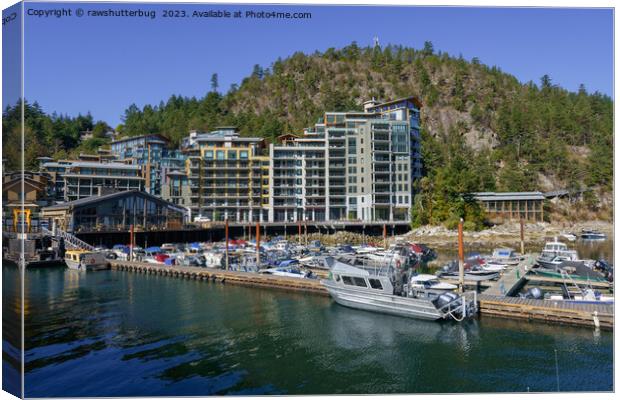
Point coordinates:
pixel 222 276
pixel 498 301
pixel 563 312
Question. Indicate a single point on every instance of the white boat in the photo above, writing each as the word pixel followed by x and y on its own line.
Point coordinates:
pixel 372 290
pixel 214 259
pixel 571 237
pixel 289 272
pixel 588 234
pixel 492 266
pixel 430 284
pixel 84 260
pixel 504 255
pixel 557 248
pixel 587 295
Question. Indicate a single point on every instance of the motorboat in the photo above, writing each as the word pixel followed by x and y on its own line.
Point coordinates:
pixel 557 248
pixel 505 256
pixel 84 260
pixel 472 272
pixel 571 237
pixel 288 268
pixel 429 284
pixel 588 234
pixel 375 290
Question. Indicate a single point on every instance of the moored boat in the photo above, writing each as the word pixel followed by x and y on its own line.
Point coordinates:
pixel 84 260
pixel 374 290
pixel 588 234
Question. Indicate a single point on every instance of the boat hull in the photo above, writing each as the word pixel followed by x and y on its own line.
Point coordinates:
pixel 382 303
pixel 86 267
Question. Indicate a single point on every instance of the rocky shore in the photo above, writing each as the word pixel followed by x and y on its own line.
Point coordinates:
pixel 507 234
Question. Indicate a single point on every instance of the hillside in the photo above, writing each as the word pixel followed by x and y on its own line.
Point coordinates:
pixel 482 128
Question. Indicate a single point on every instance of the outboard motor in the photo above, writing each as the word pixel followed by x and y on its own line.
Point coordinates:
pixel 533 293
pixel 445 298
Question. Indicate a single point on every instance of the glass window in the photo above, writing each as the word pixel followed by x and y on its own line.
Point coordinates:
pixel 209 154
pixel 375 284
pixel 232 155
pixel 220 154
pixel 359 281
pixel 347 280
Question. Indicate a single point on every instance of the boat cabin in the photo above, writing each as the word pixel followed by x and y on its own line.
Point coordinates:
pixel 348 276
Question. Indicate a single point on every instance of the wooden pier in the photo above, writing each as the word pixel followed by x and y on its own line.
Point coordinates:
pixel 497 301
pixel 222 276
pixel 564 312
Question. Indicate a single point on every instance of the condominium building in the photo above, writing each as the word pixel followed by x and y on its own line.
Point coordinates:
pixel 405 109
pixel 350 166
pixel 227 176
pixel 149 152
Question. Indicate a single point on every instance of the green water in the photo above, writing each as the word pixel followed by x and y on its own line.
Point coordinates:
pixel 121 334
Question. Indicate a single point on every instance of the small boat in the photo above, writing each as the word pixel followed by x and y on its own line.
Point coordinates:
pixel 84 260
pixel 587 296
pixel 588 234
pixel 504 255
pixel 571 237
pixel 556 248
pixel 374 290
pixel 288 268
pixel 429 284
pixel 472 272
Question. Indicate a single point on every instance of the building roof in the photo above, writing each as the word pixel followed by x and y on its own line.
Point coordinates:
pixel 505 196
pixel 414 99
pixel 152 135
pixel 108 165
pixel 96 199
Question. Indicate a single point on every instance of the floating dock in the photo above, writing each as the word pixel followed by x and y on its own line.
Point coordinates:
pixel 565 312
pixel 497 300
pixel 223 276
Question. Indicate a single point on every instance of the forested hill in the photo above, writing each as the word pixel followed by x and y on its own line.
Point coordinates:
pixel 482 128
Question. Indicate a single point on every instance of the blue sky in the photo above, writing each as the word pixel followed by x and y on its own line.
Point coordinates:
pixel 102 65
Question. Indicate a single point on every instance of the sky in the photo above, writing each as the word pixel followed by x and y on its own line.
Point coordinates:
pixel 104 64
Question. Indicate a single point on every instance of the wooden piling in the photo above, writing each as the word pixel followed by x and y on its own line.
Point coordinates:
pixel 257 244
pixel 461 258
pixel 522 237
pixel 226 233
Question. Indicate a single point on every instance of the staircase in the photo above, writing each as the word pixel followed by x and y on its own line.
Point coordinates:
pixel 71 241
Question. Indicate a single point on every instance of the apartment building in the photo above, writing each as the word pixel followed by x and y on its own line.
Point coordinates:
pixel 227 176
pixel 150 152
pixel 350 166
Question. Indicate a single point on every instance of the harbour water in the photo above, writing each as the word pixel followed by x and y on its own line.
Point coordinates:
pixel 115 333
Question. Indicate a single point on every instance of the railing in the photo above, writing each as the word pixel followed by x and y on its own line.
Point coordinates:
pixel 70 240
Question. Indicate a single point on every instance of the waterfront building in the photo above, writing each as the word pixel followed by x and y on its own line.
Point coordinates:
pixel 147 151
pixel 79 179
pixel 116 212
pixel 501 206
pixel 405 109
pixel 227 176
pixel 22 204
pixel 349 166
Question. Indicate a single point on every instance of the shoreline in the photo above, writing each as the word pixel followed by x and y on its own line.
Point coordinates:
pixel 504 234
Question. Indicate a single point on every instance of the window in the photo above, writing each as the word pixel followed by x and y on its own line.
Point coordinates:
pixel 243 154
pixel 375 284
pixel 220 154
pixel 359 281
pixel 347 280
pixel 232 155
